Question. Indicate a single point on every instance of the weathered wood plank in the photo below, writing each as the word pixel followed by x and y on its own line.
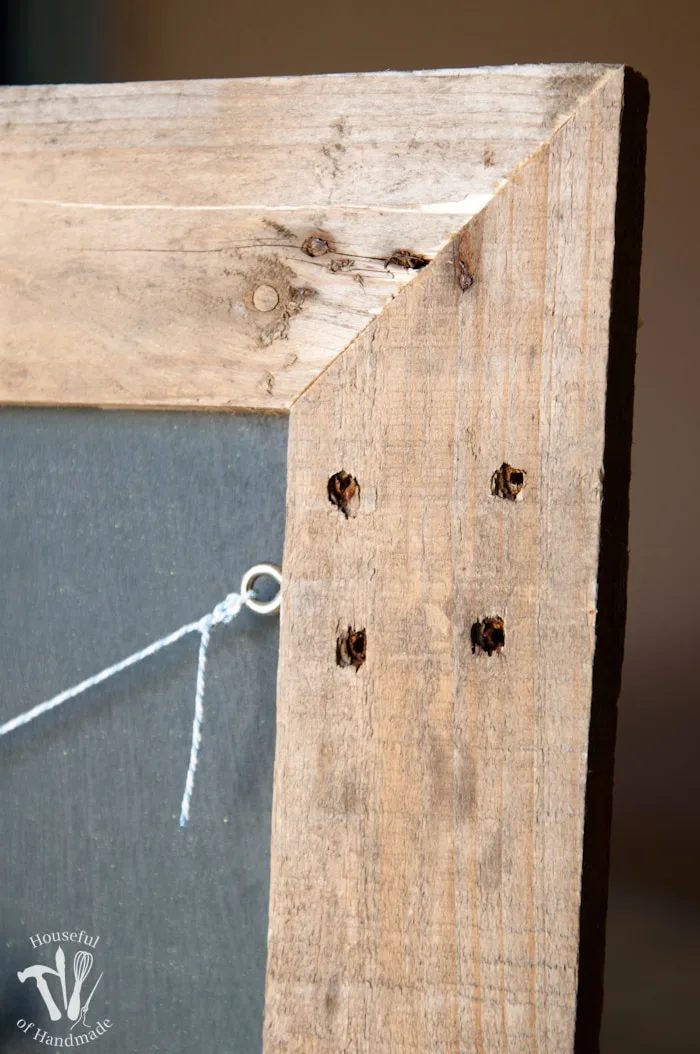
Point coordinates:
pixel 428 817
pixel 137 221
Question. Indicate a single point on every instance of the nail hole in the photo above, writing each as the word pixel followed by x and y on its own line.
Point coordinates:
pixel 465 279
pixel 507 482
pixel 407 259
pixel 344 492
pixel 316 246
pixel 488 634
pixel 463 268
pixel 266 298
pixel 351 648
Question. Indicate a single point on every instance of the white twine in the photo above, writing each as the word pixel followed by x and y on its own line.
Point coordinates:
pixel 222 613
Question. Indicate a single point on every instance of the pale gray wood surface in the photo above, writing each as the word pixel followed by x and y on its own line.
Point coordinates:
pixel 114 530
pixel 138 222
pixel 430 889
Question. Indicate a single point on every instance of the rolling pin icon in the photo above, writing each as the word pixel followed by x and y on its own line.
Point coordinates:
pixel 82 964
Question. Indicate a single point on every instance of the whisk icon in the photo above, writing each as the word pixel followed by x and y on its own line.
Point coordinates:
pixel 82 964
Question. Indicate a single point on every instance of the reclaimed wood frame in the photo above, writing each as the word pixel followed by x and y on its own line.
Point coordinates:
pixel 436 274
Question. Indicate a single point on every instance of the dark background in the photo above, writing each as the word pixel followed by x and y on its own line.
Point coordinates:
pixel 653 971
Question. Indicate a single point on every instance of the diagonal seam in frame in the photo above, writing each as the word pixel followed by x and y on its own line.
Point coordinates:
pixel 455 236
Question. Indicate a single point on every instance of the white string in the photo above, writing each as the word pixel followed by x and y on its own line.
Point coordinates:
pixel 222 613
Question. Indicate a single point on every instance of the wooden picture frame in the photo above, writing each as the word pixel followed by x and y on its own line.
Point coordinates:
pixel 436 274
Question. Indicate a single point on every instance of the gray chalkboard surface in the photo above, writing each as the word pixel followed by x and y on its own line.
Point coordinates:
pixel 116 528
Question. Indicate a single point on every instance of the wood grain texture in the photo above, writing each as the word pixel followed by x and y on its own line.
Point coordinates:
pixel 137 221
pixel 428 816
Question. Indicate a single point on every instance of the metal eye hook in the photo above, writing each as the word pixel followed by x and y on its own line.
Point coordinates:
pixel 262 607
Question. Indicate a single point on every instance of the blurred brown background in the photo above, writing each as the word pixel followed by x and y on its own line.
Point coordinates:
pixel 653 969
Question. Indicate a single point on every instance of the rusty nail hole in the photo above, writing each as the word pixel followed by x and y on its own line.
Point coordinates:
pixel 316 246
pixel 351 648
pixel 465 279
pixel 344 491
pixel 488 634
pixel 507 482
pixel 463 270
pixel 407 259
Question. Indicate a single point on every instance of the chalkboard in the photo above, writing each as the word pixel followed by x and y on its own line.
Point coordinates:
pixel 116 528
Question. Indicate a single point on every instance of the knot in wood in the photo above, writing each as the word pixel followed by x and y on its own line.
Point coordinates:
pixel 266 298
